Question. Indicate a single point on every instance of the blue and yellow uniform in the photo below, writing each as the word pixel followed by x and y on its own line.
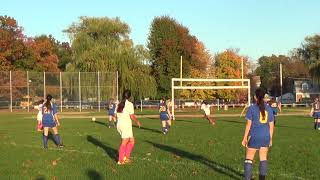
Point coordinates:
pixel 259 135
pixel 316 110
pixel 163 109
pixel 48 116
pixel 112 109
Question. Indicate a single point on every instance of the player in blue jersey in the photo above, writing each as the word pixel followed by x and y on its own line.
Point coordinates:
pixel 50 121
pixel 274 106
pixel 258 134
pixel 164 116
pixel 315 113
pixel 112 112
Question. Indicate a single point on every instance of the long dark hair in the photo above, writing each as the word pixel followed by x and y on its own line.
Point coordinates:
pixel 260 102
pixel 47 104
pixel 125 96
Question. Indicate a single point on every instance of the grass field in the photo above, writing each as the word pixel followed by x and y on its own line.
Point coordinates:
pixel 192 150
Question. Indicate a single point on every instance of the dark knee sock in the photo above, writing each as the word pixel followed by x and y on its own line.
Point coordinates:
pixel 57 139
pixel 263 169
pixel 168 126
pixel 45 141
pixel 164 129
pixel 247 169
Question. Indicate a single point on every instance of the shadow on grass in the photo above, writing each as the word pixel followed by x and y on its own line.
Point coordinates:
pixel 112 153
pixel 218 167
pixel 93 174
pixel 180 120
pixel 101 123
pixel 148 129
pixel 40 177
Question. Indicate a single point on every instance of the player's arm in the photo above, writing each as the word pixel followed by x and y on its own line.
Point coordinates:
pixel 135 119
pixel 246 133
pixel 311 112
pixel 271 129
pixel 56 118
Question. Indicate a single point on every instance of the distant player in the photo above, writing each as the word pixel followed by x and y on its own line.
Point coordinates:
pixel 125 113
pixel 206 108
pixel 169 106
pixel 315 113
pixel 112 112
pixel 258 135
pixel 274 106
pixel 164 116
pixel 39 115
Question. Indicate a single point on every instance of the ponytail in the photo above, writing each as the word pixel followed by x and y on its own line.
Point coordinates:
pixel 125 96
pixel 47 104
pixel 260 102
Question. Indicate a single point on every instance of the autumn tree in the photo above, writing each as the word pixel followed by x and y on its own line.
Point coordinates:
pixel 228 66
pixel 11 42
pixel 167 41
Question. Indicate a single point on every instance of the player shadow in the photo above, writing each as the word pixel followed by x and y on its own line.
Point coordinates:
pixel 40 177
pixel 180 120
pixel 218 167
pixel 93 174
pixel 112 153
pixel 232 121
pixel 101 123
pixel 148 129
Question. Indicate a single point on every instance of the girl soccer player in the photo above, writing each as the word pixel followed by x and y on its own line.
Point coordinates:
pixel 274 106
pixel 258 135
pixel 164 116
pixel 315 113
pixel 39 116
pixel 50 120
pixel 125 113
pixel 111 112
pixel 169 106
pixel 206 108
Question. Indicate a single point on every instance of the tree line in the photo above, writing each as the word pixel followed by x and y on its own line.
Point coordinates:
pixel 104 44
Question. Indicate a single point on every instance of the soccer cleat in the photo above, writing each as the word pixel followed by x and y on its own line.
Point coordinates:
pixel 121 163
pixel 126 160
pixel 60 146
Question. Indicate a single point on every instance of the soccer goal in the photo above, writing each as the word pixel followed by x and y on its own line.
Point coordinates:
pixel 212 84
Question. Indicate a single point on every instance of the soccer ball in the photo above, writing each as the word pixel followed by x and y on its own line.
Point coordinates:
pixel 93 119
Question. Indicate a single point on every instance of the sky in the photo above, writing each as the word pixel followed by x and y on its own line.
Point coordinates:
pixel 255 27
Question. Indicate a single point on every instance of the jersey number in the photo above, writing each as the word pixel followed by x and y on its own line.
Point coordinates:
pixel 265 119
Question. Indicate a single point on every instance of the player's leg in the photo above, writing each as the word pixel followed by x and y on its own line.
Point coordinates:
pixel 56 137
pixel 114 120
pixel 318 124
pixel 248 162
pixel 210 120
pixel 129 148
pixel 110 121
pixel 122 150
pixel 263 153
pixel 164 126
pixel 45 137
pixel 168 124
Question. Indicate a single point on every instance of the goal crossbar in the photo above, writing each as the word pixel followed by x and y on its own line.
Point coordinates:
pixel 245 84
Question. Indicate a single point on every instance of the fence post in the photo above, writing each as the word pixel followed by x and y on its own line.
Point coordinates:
pixel 10 92
pixel 44 85
pixel 79 92
pixel 60 92
pixel 117 85
pixel 99 91
pixel 28 91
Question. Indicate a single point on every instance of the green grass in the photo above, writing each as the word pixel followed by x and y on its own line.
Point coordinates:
pixel 192 150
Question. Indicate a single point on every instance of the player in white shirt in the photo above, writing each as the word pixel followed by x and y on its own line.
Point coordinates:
pixel 39 115
pixel 125 114
pixel 206 108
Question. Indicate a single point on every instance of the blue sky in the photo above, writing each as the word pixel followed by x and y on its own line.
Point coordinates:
pixel 256 27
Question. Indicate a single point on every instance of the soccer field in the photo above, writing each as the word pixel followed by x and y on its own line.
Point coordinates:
pixel 192 150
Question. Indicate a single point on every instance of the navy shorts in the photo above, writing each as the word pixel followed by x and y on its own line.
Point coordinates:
pixel 164 116
pixel 257 142
pixel 49 123
pixel 316 115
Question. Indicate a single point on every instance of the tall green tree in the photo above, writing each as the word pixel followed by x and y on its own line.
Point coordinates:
pixel 167 41
pixel 103 44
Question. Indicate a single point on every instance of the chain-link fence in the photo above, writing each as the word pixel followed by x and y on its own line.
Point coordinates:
pixel 72 91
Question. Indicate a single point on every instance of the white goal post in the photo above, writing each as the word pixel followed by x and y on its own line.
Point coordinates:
pixel 245 84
